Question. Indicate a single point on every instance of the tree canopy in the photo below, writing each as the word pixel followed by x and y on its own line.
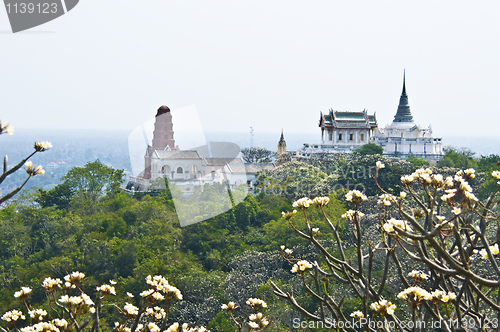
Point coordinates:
pixel 459 158
pixel 93 180
pixel 369 149
pixel 256 155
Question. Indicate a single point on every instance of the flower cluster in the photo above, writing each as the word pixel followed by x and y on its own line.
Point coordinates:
pixel 152 327
pixel 425 177
pixel 37 314
pixel 130 310
pixel 460 184
pixel 257 321
pixel 357 315
pixel 13 316
pixel 152 296
pixel 23 293
pixel 44 327
pixel 391 223
pixel 106 290
pixel 352 214
pixel 122 328
pixel 301 267
pixel 82 302
pixel 407 179
pixel 50 284
pixel 439 296
pixel 159 284
pixel 321 201
pixel 422 175
pixel 450 193
pixel 387 199
pixel 496 175
pixel 256 304
pixel 31 170
pixel 74 277
pixel 175 328
pixel 355 196
pixel 287 251
pixel 415 295
pixel 494 251
pixel 229 307
pixel 156 313
pixel 418 276
pixel 302 203
pixel 60 323
pixel 42 146
pixel 383 307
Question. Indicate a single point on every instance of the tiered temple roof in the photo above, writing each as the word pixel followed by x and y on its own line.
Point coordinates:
pixel 337 119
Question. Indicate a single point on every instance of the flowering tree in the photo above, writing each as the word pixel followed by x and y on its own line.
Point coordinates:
pixel 74 310
pixel 438 224
pixel 71 309
pixel 31 170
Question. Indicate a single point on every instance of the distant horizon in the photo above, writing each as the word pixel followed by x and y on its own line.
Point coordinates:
pixel 481 144
pixel 316 131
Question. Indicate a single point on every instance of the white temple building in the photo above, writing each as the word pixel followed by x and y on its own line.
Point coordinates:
pixel 347 131
pixel 403 137
pixel 343 132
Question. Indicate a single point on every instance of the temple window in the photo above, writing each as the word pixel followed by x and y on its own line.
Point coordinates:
pixel 351 137
pixel 362 137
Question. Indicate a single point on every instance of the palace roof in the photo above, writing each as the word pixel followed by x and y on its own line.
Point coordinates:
pixel 337 119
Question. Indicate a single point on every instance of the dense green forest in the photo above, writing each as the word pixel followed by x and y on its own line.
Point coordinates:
pixel 87 224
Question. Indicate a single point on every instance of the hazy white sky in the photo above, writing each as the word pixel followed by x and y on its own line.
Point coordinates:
pixel 267 64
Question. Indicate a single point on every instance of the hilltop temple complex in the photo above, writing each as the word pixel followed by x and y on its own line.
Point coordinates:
pixel 341 132
pixel 347 131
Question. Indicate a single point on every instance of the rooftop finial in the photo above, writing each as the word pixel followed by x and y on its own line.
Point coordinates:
pixel 404 84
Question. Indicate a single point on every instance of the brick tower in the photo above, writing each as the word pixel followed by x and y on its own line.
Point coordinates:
pixel 163 134
pixel 163 137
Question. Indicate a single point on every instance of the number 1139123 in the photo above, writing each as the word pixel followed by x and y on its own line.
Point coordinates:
pixel 30 8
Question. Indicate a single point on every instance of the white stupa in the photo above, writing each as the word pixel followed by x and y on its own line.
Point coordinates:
pixel 403 137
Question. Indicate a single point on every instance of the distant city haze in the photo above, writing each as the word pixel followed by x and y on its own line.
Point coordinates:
pixel 76 147
pixel 266 64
